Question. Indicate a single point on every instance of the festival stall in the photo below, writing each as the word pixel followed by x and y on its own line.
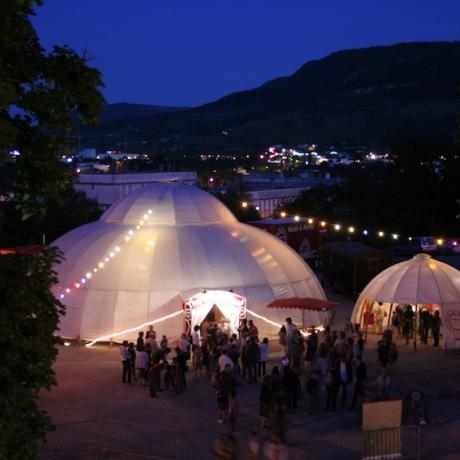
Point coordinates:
pixel 424 283
pixel 315 312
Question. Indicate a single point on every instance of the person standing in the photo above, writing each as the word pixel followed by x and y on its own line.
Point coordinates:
pixel 154 377
pixel 263 357
pixel 224 361
pixel 312 388
pixel 125 361
pixel 265 397
pixel 379 315
pixel 424 320
pixel 346 376
pixel 436 328
pixel 151 333
pixel 282 340
pixel 140 342
pixel 164 343
pixel 180 361
pixel 225 385
pixel 131 362
pixel 291 382
pixel 196 348
pixel 142 363
pixel 233 408
pixel 291 330
pixel 332 386
pixel 361 381
pixel 252 359
pixel 252 329
pixel 243 330
pixel 408 323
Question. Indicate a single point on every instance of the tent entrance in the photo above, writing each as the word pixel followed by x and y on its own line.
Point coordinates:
pixel 219 305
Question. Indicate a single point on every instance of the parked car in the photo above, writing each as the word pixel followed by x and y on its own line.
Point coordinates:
pixel 415 245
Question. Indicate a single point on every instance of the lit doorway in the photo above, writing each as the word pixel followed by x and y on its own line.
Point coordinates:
pixel 220 305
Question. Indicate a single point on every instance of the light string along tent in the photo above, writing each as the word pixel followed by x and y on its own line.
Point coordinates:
pixel 172 315
pixel 86 278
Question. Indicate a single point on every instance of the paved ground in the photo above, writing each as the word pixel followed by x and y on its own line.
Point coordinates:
pixel 184 426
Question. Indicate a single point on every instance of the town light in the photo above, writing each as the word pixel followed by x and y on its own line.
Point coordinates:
pixel 244 204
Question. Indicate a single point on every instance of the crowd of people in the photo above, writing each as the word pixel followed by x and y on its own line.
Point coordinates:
pixel 316 371
pixel 403 323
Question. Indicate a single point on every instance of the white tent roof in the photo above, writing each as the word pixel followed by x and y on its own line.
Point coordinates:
pixel 188 241
pixel 419 281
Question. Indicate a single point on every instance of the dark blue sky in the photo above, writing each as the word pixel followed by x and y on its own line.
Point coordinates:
pixel 188 52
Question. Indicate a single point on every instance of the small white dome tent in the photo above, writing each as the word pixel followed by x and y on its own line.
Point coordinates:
pixel 169 253
pixel 421 280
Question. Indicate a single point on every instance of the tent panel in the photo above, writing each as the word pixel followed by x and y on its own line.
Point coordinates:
pixel 131 310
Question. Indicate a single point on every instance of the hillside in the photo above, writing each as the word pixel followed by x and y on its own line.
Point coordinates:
pixel 124 111
pixel 369 95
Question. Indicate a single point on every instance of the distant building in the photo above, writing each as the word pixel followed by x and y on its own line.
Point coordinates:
pixel 107 188
pixel 268 191
pixel 349 266
pixel 268 200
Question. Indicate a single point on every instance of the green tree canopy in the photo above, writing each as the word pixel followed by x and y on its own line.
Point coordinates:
pixel 29 316
pixel 41 94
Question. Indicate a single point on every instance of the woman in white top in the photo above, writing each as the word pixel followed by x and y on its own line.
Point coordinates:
pixel 142 363
pixel 263 351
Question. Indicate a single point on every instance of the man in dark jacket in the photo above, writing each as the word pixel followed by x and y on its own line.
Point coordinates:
pixel 361 380
pixel 252 359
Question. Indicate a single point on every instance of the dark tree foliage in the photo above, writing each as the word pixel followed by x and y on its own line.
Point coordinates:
pixel 40 94
pixel 416 194
pixel 64 213
pixel 29 315
pixel 234 199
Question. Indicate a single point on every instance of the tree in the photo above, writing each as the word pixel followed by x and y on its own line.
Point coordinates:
pixel 68 211
pixel 29 316
pixel 41 94
pixel 238 202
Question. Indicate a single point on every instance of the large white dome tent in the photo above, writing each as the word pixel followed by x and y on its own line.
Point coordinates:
pixel 419 281
pixel 168 253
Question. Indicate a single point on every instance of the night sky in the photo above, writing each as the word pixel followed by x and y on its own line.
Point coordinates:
pixel 188 52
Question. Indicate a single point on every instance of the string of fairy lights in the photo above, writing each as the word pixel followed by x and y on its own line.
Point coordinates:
pixel 92 271
pixel 348 229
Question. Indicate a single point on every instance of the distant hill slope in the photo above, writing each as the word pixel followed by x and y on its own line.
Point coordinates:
pixel 124 111
pixel 373 94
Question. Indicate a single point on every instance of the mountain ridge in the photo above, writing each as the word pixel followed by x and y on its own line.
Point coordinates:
pixel 370 94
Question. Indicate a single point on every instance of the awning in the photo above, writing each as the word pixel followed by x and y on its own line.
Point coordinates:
pixel 306 303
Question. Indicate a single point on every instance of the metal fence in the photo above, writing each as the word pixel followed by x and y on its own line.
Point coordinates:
pixel 114 440
pixel 109 440
pixel 402 443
